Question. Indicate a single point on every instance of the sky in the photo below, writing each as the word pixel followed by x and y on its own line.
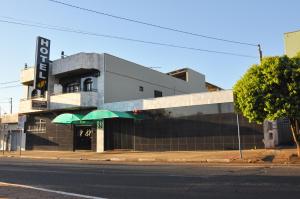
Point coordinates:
pixel 253 21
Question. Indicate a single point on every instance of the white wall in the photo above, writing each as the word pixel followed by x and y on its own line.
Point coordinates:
pixel 123 78
pixel 204 98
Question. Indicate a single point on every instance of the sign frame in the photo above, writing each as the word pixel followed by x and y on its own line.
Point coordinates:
pixel 42 63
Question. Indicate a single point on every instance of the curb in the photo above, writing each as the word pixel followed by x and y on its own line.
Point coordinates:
pixel 118 159
pixel 221 161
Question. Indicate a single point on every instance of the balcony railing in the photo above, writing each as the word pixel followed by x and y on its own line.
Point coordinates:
pixel 74 100
pixel 78 91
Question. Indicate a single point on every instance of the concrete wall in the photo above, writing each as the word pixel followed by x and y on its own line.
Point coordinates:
pixel 10 118
pixel 73 100
pixel 292 43
pixel 119 80
pixel 27 75
pixel 196 81
pixel 76 62
pixel 123 79
pixel 25 105
pixel 193 99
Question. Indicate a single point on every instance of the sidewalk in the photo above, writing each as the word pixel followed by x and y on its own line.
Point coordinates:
pixel 276 156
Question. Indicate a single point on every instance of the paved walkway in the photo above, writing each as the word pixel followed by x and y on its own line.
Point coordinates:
pixel 278 156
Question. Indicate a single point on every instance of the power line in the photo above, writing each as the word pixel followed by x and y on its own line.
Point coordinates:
pixel 4 87
pixel 9 82
pixel 154 25
pixel 66 29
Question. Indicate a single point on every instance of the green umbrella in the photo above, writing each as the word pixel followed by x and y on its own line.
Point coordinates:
pixel 104 114
pixel 67 118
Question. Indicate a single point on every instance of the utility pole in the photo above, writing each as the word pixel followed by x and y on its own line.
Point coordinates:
pixel 260 52
pixel 10 101
pixel 239 135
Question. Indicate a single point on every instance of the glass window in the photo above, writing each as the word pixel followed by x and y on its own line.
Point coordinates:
pixel 157 93
pixel 38 126
pixel 72 87
pixel 88 84
pixel 141 88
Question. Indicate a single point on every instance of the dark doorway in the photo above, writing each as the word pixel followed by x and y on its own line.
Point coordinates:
pixel 83 138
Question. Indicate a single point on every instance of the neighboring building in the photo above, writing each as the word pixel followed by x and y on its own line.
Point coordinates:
pixel 292 43
pixel 278 132
pixel 211 87
pixel 187 74
pixel 11 135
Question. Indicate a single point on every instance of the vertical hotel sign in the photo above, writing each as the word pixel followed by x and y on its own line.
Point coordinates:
pixel 42 64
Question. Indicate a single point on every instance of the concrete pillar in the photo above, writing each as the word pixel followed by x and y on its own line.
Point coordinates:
pixel 100 137
pixel 23 140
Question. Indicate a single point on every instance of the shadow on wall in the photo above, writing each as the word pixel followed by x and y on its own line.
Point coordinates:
pixel 198 132
pixel 35 141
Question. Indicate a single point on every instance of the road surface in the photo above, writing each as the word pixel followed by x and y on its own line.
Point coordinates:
pixel 150 181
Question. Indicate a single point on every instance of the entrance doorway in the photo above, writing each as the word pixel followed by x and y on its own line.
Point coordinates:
pixel 83 138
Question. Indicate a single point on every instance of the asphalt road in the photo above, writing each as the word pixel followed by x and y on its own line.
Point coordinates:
pixel 154 181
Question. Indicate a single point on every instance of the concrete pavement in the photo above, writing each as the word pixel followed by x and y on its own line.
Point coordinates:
pixel 276 156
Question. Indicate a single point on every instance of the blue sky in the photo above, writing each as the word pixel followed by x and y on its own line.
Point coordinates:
pixel 253 21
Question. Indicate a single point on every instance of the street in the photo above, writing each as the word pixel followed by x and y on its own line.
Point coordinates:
pixel 152 181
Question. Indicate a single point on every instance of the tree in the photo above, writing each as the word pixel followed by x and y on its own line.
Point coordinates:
pixel 271 90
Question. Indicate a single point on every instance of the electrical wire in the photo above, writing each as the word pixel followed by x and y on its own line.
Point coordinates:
pixel 4 87
pixel 153 25
pixel 66 29
pixel 9 82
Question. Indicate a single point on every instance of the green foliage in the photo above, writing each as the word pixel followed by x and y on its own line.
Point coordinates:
pixel 270 90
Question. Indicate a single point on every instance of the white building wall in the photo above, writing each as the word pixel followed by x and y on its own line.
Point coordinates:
pixel 119 80
pixel 123 79
pixel 193 99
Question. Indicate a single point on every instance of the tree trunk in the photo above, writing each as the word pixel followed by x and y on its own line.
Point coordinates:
pixel 295 131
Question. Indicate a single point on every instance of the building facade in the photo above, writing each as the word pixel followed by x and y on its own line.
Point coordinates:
pixel 190 122
pixel 292 43
pixel 12 137
pixel 86 81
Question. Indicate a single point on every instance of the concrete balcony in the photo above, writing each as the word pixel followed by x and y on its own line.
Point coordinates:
pixel 74 100
pixel 26 105
pixel 27 76
pixel 77 64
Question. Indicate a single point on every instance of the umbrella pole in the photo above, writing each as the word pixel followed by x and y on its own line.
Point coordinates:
pixel 133 135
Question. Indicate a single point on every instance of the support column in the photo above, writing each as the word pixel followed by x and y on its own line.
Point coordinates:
pixel 100 137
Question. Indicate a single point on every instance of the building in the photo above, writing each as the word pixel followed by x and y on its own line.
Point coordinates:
pixel 84 82
pixel 174 106
pixel 292 43
pixel 11 133
pixel 178 110
pixel 278 132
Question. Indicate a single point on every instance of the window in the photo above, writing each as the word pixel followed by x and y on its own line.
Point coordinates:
pixel 141 88
pixel 88 84
pixel 72 87
pixel 38 126
pixel 157 93
pixel 271 136
pixel 34 93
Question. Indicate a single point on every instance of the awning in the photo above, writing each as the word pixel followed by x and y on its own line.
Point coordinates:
pixel 104 114
pixel 67 118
